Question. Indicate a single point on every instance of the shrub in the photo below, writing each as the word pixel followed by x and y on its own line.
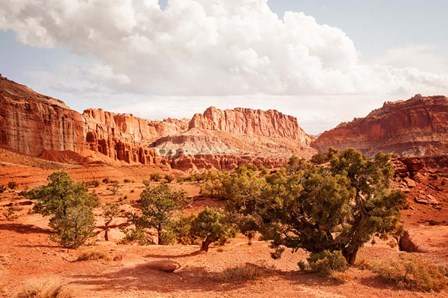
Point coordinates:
pixel 110 211
pixel 241 273
pixel 50 287
pixel 325 262
pixel 10 213
pixel 92 255
pixel 127 180
pixel 156 177
pixel 412 272
pixel 93 183
pixel 2 188
pixel 69 206
pixel 211 225
pixel 169 178
pixel 135 235
pixel 12 185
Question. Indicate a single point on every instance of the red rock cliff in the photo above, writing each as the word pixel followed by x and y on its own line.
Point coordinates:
pixel 415 127
pixel 269 123
pixel 31 123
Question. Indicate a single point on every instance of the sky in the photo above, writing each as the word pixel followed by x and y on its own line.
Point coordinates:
pixel 322 61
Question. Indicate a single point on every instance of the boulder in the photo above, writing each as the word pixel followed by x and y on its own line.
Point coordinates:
pixel 164 266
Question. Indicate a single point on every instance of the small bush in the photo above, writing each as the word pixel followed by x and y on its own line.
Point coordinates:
pixel 93 183
pixel 127 180
pixel 12 185
pixel 241 273
pixel 10 213
pixel 412 272
pixel 51 287
pixel 106 180
pixel 2 188
pixel 156 177
pixel 169 178
pixel 325 262
pixel 91 255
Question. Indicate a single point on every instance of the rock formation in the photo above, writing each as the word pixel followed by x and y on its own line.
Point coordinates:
pixel 40 126
pixel 269 123
pixel 31 123
pixel 415 127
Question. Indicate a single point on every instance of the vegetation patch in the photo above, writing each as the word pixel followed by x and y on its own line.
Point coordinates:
pixel 92 255
pixel 412 272
pixel 50 287
pixel 241 273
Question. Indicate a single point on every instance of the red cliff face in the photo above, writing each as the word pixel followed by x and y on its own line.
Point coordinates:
pixel 125 137
pixel 37 125
pixel 415 127
pixel 31 123
pixel 250 122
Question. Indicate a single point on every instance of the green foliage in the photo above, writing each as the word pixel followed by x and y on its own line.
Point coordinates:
pixel 110 211
pixel 157 206
pixel 181 228
pixel 302 205
pixel 211 225
pixel 325 262
pixel 69 206
pixel 169 178
pixel 412 272
pixel 156 177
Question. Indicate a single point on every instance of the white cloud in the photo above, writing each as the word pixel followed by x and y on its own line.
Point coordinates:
pixel 214 48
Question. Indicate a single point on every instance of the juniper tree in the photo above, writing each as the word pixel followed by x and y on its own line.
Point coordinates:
pixel 69 206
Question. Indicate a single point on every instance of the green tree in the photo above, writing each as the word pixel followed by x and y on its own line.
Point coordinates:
pixel 69 206
pixel 330 208
pixel 211 225
pixel 110 211
pixel 157 207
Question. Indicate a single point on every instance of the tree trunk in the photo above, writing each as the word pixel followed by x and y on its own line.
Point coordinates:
pixel 159 233
pixel 350 256
pixel 106 234
pixel 205 244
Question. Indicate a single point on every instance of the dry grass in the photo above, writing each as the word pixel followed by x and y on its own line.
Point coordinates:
pixel 412 272
pixel 240 273
pixel 50 287
pixel 91 255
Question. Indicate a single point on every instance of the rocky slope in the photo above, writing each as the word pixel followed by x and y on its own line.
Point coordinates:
pixel 40 126
pixel 415 127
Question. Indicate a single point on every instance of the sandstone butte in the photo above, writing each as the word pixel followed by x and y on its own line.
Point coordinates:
pixel 41 126
pixel 411 128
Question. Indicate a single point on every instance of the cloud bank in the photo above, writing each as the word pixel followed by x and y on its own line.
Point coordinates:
pixel 207 47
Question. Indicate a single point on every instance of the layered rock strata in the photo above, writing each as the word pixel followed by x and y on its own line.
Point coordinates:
pixel 37 125
pixel 415 127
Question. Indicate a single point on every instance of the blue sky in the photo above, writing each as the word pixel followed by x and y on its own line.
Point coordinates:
pixel 321 61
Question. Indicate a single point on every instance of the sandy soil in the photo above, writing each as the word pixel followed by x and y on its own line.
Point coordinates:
pixel 26 252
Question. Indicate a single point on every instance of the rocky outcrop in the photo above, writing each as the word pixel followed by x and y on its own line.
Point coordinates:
pixel 37 125
pixel 127 138
pixel 415 127
pixel 269 123
pixel 31 123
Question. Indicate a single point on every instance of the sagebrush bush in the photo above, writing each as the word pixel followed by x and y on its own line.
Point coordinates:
pixel 241 273
pixel 50 287
pixel 92 255
pixel 325 262
pixel 412 272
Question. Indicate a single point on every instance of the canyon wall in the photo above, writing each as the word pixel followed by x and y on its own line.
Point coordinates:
pixel 40 126
pixel 270 123
pixel 415 127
